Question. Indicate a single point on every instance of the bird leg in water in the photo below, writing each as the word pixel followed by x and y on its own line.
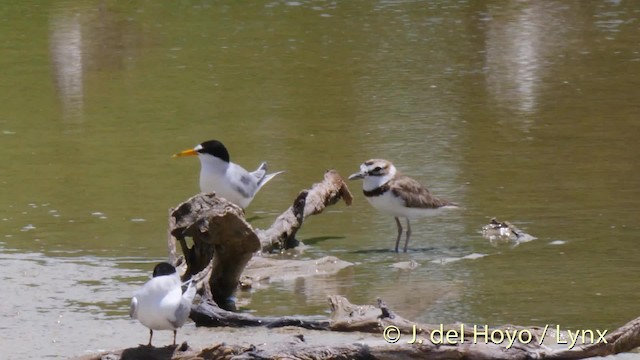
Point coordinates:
pixel 399 232
pixel 406 242
pixel 175 332
pixel 150 336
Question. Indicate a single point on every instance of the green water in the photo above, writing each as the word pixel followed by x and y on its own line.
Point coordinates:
pixel 524 111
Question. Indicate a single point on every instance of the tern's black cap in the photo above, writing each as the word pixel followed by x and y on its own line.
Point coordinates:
pixel 163 268
pixel 215 148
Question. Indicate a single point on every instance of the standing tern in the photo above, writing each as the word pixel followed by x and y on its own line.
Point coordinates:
pixel 160 303
pixel 225 178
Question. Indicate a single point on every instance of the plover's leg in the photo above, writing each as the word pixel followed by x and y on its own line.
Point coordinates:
pixel 150 336
pixel 399 232
pixel 174 336
pixel 406 242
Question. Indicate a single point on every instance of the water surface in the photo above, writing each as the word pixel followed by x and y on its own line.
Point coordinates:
pixel 524 111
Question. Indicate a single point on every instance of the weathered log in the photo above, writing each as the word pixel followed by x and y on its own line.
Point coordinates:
pixel 208 313
pixel 281 234
pixel 372 345
pixel 623 339
pixel 347 317
pixel 219 232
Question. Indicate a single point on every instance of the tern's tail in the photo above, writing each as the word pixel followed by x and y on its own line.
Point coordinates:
pixel 260 172
pixel 190 292
pixel 267 178
pixel 262 176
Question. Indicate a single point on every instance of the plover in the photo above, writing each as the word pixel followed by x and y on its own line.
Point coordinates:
pixel 401 196
pixel 160 303
pixel 225 178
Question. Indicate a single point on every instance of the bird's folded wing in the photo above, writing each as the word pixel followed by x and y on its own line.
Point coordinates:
pixel 133 308
pixel 184 309
pixel 260 172
pixel 414 195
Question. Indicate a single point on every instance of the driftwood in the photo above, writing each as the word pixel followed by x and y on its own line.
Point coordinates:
pixel 208 314
pixel 224 242
pixel 221 234
pixel 430 340
pixel 281 234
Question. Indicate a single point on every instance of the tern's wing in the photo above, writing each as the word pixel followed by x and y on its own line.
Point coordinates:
pixel 133 308
pixel 241 181
pixel 186 285
pixel 266 179
pixel 261 175
pixel 184 309
pixel 260 172
pixel 190 293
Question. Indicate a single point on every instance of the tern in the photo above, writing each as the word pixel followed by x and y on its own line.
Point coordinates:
pixel 160 303
pixel 225 178
pixel 395 194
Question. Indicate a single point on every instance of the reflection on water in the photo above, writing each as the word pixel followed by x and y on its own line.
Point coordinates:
pixel 85 41
pixel 519 47
pixel 444 90
pixel 67 57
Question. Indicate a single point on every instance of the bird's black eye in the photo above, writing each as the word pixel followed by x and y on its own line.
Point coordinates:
pixel 376 170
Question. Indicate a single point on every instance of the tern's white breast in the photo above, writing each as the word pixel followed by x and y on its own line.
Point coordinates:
pixel 158 301
pixel 224 179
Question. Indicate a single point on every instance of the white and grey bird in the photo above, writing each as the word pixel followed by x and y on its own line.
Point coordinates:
pixel 225 178
pixel 395 194
pixel 160 304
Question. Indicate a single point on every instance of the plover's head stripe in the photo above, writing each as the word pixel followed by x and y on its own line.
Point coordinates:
pixel 377 172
